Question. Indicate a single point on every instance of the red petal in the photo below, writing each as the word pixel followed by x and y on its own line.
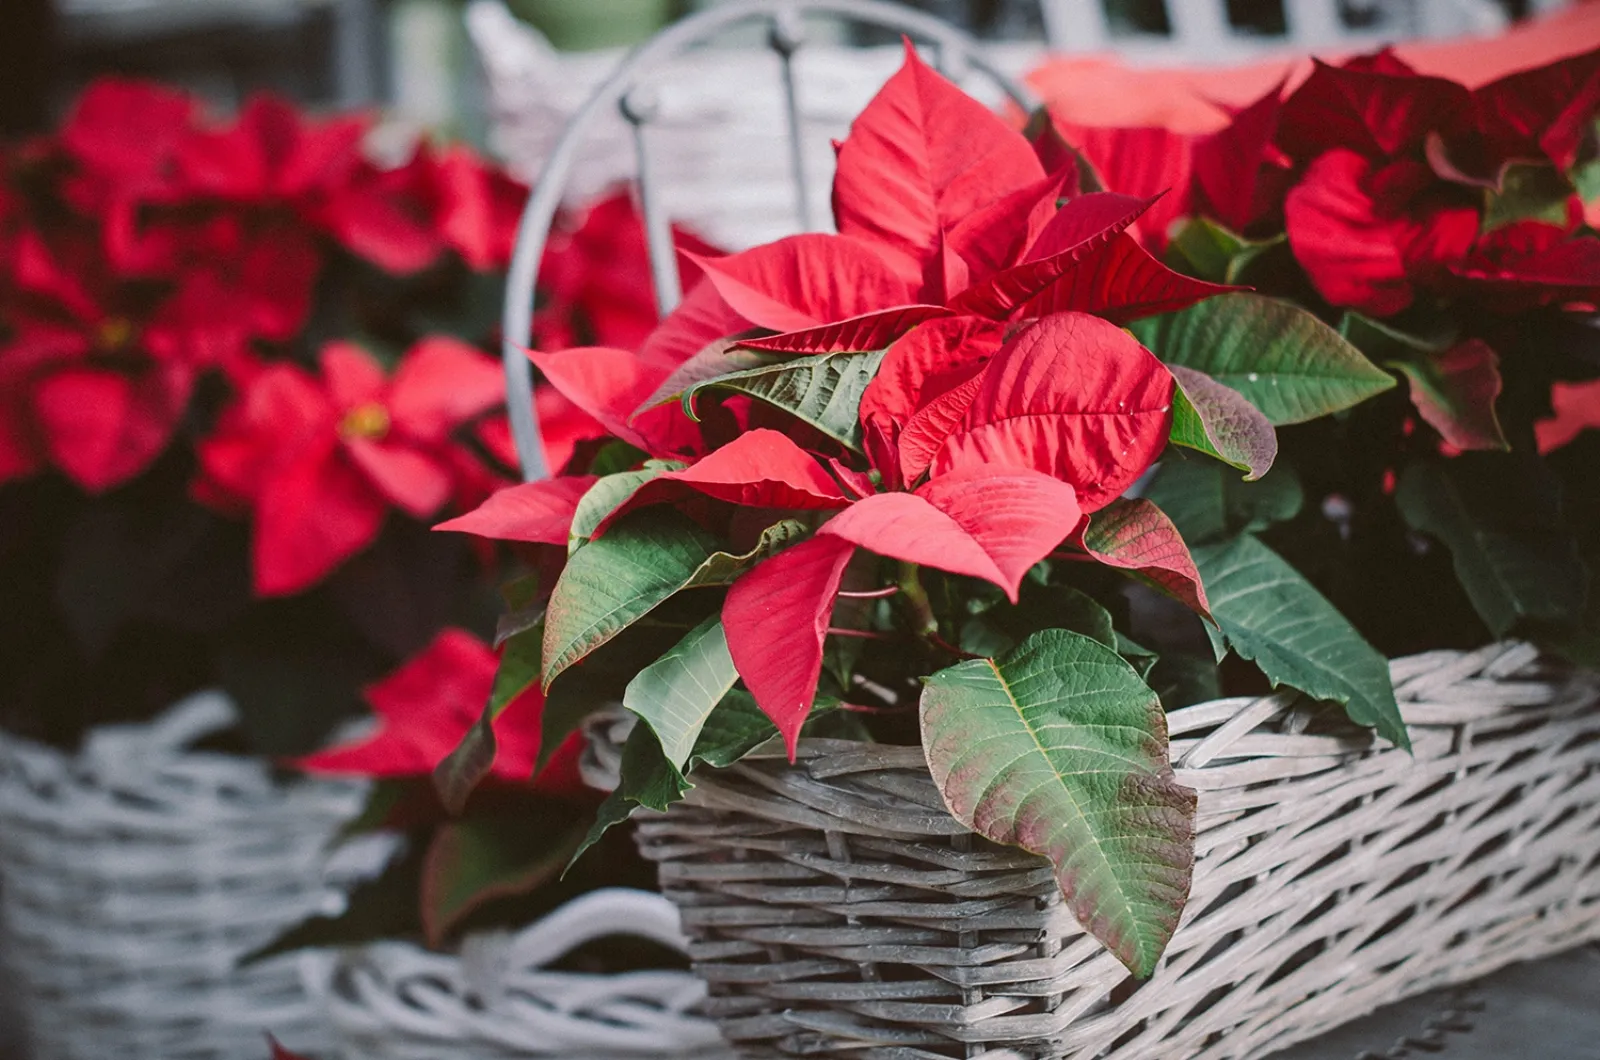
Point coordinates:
pixel 479 209
pixel 1135 535
pixel 989 523
pixel 761 468
pixel 104 426
pixel 1142 162
pixel 920 158
pixel 994 237
pixel 1121 282
pixel 925 432
pixel 1071 396
pixel 776 618
pixel 609 385
pixel 1077 232
pixel 703 317
pixel 408 477
pixel 1228 162
pixel 352 376
pixel 311 516
pixel 540 512
pixel 802 282
pixel 1576 409
pixel 872 331
pixel 440 384
pixel 426 707
pixel 927 361
pixel 1370 111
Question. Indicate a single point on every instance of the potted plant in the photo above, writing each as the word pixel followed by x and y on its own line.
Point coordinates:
pixel 240 374
pixel 869 560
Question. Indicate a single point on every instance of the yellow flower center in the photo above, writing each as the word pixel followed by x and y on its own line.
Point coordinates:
pixel 115 333
pixel 365 421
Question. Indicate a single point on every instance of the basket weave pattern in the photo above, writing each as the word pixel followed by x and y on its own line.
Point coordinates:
pixel 136 874
pixel 836 909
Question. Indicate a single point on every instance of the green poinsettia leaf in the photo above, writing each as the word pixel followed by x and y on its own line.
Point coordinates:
pixel 676 694
pixel 1060 748
pixel 1285 361
pixel 721 568
pixel 1272 615
pixel 477 860
pixel 1217 420
pixel 615 456
pixel 1215 253
pixel 606 495
pixel 1509 551
pixel 723 357
pixel 1528 191
pixel 1206 503
pixel 823 390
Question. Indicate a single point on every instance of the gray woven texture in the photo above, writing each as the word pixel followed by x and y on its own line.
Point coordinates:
pixel 837 910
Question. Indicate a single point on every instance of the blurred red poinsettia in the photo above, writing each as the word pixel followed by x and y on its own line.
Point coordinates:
pixel 319 459
pixel 425 708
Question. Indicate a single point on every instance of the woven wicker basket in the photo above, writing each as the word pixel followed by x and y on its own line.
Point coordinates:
pixel 836 909
pixel 133 876
pixel 498 999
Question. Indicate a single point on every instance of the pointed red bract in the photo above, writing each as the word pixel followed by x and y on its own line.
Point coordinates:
pixel 870 331
pixel 1075 234
pixel 610 384
pixel 1144 162
pixel 1071 396
pixel 761 468
pixel 1121 282
pixel 992 523
pixel 776 619
pixel 1135 535
pixel 926 431
pixel 806 281
pixel 540 512
pixel 1377 111
pixel 1541 111
pixel 994 237
pixel 1238 173
pixel 920 158
pixel 1576 408
pixel 925 363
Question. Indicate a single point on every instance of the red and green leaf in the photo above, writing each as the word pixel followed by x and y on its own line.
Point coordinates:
pixel 1216 419
pixel 1134 535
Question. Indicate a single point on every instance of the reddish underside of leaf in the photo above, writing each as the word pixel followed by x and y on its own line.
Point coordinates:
pixel 1135 535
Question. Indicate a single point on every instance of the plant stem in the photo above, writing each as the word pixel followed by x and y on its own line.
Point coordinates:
pixel 864 634
pixel 869 594
pixel 920 608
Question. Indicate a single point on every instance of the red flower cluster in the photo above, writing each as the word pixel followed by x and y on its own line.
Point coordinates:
pixel 1001 404
pixel 143 245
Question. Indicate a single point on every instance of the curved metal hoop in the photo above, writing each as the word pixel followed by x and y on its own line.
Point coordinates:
pixel 955 51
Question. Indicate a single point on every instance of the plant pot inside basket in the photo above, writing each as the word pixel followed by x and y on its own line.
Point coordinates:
pixel 836 909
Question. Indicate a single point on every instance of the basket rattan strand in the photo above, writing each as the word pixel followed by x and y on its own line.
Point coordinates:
pixel 837 910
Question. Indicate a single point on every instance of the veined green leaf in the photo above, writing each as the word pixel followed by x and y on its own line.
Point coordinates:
pixel 606 495
pixel 1217 420
pixel 1273 616
pixel 1060 748
pixel 823 390
pixel 719 358
pixel 1206 503
pixel 1518 566
pixel 617 579
pixel 1289 364
pixel 479 859
pixel 675 694
pixel 1215 253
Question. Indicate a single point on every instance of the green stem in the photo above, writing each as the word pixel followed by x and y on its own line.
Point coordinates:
pixel 920 608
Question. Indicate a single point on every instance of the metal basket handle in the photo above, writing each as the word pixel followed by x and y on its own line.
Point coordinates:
pixel 955 51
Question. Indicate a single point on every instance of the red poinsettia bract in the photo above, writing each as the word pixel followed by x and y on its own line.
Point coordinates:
pixel 319 459
pixel 1005 405
pixel 427 705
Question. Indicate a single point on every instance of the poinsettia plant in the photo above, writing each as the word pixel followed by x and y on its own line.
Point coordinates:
pixel 1448 232
pixel 882 483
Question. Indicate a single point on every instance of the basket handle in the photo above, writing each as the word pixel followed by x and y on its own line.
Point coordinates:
pixel 956 51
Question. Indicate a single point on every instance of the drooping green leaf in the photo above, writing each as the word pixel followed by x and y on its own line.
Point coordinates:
pixel 1455 390
pixel 722 357
pixel 524 608
pixel 823 390
pixel 1214 253
pixel 1509 551
pixel 1206 503
pixel 479 859
pixel 464 768
pixel 721 568
pixel 1058 747
pixel 617 579
pixel 1289 364
pixel 1218 421
pixel 675 694
pixel 1529 191
pixel 606 495
pixel 1271 615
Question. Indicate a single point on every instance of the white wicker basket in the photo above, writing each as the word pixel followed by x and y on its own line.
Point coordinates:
pixel 497 1000
pixel 134 874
